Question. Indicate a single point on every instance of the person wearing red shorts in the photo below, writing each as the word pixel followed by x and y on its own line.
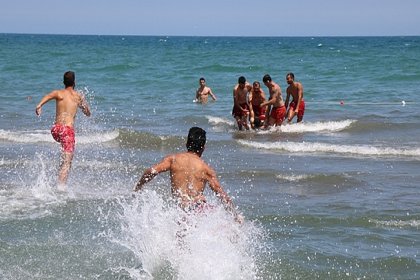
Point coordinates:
pixel 276 110
pixel 240 109
pixel 297 106
pixel 256 112
pixel 67 102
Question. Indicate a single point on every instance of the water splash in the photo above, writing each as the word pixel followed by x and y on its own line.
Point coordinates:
pixel 167 241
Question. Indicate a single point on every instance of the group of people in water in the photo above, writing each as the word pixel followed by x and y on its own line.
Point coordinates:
pixel 251 108
pixel 189 174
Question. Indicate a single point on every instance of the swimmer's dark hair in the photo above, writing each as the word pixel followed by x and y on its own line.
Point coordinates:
pixel 196 140
pixel 241 80
pixel 291 75
pixel 202 79
pixel 266 78
pixel 69 78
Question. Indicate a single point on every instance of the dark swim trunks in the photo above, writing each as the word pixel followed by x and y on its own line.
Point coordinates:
pixel 64 135
pixel 236 112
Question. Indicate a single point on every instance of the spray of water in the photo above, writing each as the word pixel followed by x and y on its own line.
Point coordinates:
pixel 165 240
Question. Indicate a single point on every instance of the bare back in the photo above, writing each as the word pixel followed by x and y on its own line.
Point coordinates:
pixel 189 176
pixel 67 102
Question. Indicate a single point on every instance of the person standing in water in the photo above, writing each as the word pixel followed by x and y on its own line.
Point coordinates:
pixel 190 175
pixel 67 101
pixel 297 106
pixel 240 109
pixel 276 109
pixel 256 112
pixel 203 92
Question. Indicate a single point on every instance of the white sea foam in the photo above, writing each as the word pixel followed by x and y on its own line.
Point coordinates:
pixel 330 126
pixel 397 223
pixel 220 121
pixel 38 136
pixel 307 147
pixel 292 178
pixel 191 246
pixel 35 197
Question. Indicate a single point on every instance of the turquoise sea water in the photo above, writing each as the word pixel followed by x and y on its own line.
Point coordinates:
pixel 336 197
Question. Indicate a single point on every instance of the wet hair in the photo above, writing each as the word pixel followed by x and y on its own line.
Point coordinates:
pixel 196 140
pixel 202 79
pixel 69 78
pixel 266 78
pixel 241 80
pixel 291 75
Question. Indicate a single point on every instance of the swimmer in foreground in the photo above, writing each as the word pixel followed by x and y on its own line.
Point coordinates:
pixel 67 102
pixel 189 176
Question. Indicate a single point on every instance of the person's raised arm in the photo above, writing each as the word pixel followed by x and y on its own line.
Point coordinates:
pixel 45 99
pixel 151 172
pixel 84 106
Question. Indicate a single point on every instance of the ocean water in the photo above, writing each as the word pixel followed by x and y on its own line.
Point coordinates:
pixel 335 197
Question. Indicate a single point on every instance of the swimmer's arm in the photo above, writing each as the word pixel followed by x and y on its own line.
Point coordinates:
pixel 151 172
pixel 286 102
pixel 272 99
pixel 300 94
pixel 251 108
pixel 212 95
pixel 197 95
pixel 45 99
pixel 84 106
pixel 226 200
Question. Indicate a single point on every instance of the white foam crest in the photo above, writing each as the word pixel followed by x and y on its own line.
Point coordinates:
pixel 190 246
pixel 330 126
pixel 397 223
pixel 220 121
pixel 97 137
pixel 37 136
pixel 292 178
pixel 305 147
pixel 33 136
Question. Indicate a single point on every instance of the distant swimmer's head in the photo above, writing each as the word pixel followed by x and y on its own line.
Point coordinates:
pixel 196 140
pixel 290 77
pixel 267 79
pixel 69 78
pixel 202 81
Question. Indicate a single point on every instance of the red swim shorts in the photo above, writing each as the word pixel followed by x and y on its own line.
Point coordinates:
pixel 301 108
pixel 259 112
pixel 278 113
pixel 64 135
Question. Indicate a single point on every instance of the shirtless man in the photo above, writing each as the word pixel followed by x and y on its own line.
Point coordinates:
pixel 297 106
pixel 203 92
pixel 240 109
pixel 276 110
pixel 67 101
pixel 189 175
pixel 256 112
